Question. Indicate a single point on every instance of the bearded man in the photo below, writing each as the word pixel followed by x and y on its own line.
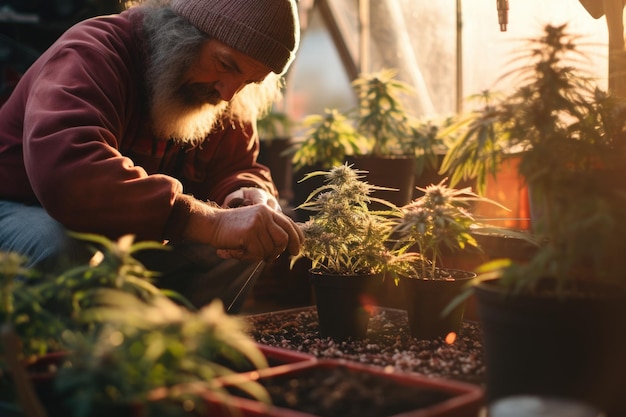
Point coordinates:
pixel 143 123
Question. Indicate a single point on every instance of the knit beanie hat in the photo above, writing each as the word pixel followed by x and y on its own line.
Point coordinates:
pixel 266 30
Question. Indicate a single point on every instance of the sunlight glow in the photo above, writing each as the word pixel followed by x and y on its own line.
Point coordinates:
pixel 450 338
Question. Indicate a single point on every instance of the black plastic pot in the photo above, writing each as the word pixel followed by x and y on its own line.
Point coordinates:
pixel 426 301
pixel 344 303
pixel 545 345
pixel 397 172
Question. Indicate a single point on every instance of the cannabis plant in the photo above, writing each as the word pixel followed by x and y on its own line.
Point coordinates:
pixel 476 144
pixel 113 265
pixel 570 137
pixel 342 235
pixel 143 351
pixel 380 115
pixel 39 307
pixel 327 140
pixel 22 311
pixel 441 220
pixel 378 126
pixel 428 141
pixel 26 331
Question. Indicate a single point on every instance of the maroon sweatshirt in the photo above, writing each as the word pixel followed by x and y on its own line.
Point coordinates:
pixel 75 137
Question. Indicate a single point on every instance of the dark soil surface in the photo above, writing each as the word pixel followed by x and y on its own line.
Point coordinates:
pixel 344 392
pixel 388 344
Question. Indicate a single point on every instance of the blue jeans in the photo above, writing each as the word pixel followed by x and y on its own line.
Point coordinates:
pixel 31 232
pixel 192 269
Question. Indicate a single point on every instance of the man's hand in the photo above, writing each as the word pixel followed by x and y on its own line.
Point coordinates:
pixel 255 230
pixel 246 196
pixel 258 232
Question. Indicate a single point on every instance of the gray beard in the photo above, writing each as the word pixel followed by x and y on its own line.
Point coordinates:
pixel 186 115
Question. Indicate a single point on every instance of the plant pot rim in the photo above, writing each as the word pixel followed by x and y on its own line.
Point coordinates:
pixel 323 279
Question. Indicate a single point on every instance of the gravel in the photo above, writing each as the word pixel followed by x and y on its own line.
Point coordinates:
pixel 388 344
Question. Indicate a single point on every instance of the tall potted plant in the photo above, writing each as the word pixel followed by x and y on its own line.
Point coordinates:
pixel 347 244
pixel 568 299
pixel 379 136
pixel 380 114
pixel 381 117
pixel 439 221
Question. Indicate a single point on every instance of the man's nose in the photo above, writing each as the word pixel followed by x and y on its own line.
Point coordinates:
pixel 229 87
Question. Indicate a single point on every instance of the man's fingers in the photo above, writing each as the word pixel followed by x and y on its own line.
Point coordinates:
pixel 293 235
pixel 278 234
pixel 270 233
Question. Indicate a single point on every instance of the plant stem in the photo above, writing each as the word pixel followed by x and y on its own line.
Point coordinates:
pixel 28 400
